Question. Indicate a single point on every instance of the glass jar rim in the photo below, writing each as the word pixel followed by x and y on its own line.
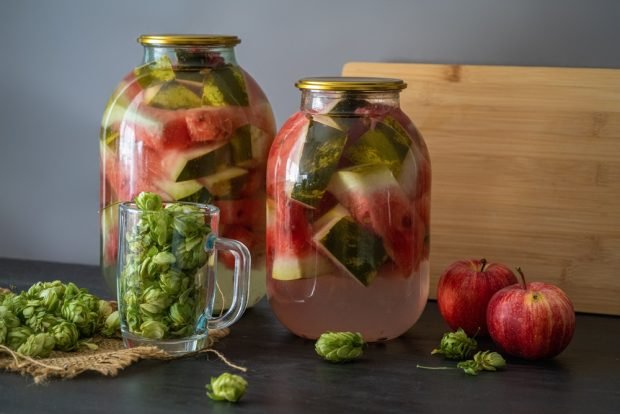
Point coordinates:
pixel 209 209
pixel 189 40
pixel 350 83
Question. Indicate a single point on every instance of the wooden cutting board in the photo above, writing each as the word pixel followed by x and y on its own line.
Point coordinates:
pixel 526 170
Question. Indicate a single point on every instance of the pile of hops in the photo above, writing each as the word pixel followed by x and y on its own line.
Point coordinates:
pixel 53 316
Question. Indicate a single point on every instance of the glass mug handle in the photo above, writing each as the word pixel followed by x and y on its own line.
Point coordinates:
pixel 241 279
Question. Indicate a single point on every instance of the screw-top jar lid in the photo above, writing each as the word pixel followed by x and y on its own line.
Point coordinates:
pixel 350 83
pixel 189 40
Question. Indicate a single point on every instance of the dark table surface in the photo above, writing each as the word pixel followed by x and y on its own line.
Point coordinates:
pixel 285 375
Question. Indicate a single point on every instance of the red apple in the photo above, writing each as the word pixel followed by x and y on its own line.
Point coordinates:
pixel 531 321
pixel 465 289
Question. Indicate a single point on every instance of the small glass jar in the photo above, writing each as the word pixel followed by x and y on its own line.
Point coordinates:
pixel 348 201
pixel 190 125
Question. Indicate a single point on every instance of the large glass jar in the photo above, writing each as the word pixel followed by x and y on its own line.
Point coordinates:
pixel 190 125
pixel 348 200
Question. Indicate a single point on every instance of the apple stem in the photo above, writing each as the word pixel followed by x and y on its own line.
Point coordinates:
pixel 484 263
pixel 522 277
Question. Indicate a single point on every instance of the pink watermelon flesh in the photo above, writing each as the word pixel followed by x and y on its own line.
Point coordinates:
pixel 214 124
pixel 375 200
pixel 157 128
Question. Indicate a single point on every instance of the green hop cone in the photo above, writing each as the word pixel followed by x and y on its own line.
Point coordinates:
pixel 482 361
pixel 489 361
pixel 133 318
pixel 81 315
pixel 112 324
pixel 470 367
pixel 153 329
pixel 90 301
pixel 171 282
pixel 104 310
pixel 4 330
pixel 42 321
pixel 227 387
pixel 158 224
pixel 154 300
pixel 148 201
pixel 17 336
pixel 31 307
pixel 38 345
pixel 72 291
pixel 65 335
pixel 456 345
pixel 51 298
pixel 181 314
pixel 339 346
pixel 9 318
pixel 8 300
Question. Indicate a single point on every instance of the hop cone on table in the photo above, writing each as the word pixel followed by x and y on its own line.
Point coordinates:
pixel 456 345
pixel 79 312
pixel 65 335
pixel 112 324
pixel 8 317
pixel 38 345
pixel 227 387
pixel 339 346
pixel 17 336
pixel 482 361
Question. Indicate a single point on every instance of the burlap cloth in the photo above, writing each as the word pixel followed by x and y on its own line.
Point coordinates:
pixel 108 359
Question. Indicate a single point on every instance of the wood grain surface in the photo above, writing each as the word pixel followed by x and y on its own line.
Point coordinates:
pixel 526 170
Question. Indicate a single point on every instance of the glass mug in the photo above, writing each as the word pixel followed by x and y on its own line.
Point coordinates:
pixel 166 278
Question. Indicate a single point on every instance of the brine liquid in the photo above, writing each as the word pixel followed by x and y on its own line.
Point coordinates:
pixel 384 310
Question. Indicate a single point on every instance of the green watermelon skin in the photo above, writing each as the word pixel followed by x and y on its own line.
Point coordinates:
pixel 375 200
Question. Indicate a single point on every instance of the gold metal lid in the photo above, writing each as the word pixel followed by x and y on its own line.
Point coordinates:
pixel 349 83
pixel 189 40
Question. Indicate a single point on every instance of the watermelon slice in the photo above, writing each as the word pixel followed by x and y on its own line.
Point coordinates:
pixel 414 178
pixel 214 124
pixel 157 128
pixel 376 201
pixel 157 71
pixel 130 173
pixel 311 263
pixel 247 212
pixel 254 184
pixel 117 105
pixel 227 183
pixel 249 146
pixel 194 163
pixel 387 144
pixel 178 190
pixel 353 248
pixel 282 152
pixel 319 159
pixel 289 246
pixel 224 85
pixel 171 95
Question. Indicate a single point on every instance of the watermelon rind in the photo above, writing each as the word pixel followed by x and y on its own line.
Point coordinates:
pixel 199 162
pixel 320 156
pixel 157 71
pixel 353 248
pixel 226 183
pixel 171 95
pixel 384 144
pixel 224 85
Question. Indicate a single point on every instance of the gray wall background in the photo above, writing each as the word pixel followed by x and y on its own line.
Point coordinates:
pixel 61 60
